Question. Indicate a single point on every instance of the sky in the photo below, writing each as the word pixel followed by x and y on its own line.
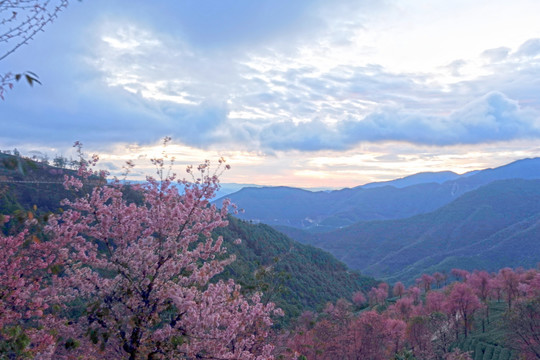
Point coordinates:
pixel 298 93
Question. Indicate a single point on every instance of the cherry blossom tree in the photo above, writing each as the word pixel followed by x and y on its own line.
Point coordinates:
pixel 435 301
pixel 481 282
pixel 378 295
pixel 24 261
pixel 398 289
pixel 440 278
pixel 509 280
pixel 367 336
pixel 523 322
pixel 419 335
pixel 403 308
pixel 358 298
pixel 414 293
pixel 340 313
pixel 460 274
pixel 143 270
pixel 425 282
pixel 463 302
pixel 374 336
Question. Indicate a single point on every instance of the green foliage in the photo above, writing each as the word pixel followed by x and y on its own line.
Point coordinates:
pixel 71 344
pixel 479 351
pixel 505 354
pixel 494 343
pixel 10 163
pixel 14 343
pixel 296 277
pixel 26 184
pixel 496 353
pixel 404 355
pixel 488 353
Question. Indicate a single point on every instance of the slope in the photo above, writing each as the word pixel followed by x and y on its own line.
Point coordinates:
pixel 494 226
pixel 295 276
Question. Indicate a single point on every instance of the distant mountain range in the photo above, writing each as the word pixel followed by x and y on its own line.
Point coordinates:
pixel 495 226
pixel 420 178
pixel 401 198
pixel 229 188
pixel 427 222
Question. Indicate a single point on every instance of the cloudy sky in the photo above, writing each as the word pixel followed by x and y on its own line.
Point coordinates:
pixel 300 93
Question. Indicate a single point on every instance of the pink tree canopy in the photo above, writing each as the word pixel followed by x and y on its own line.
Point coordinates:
pixel 143 269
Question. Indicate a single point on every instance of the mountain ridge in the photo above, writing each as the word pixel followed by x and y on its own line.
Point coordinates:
pixel 478 230
pixel 326 211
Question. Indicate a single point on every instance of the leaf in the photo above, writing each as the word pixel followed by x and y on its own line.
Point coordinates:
pixel 31 79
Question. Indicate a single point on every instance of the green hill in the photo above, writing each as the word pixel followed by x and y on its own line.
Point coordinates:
pixel 492 227
pixel 295 276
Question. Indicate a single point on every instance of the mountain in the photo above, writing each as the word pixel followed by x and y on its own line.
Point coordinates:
pixel 401 198
pixel 494 226
pixel 420 178
pixel 229 188
pixel 295 276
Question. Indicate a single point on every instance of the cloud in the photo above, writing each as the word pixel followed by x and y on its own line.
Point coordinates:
pixel 232 75
pixel 455 67
pixel 530 48
pixel 493 117
pixel 496 54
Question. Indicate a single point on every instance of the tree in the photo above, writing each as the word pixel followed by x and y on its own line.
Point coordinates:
pixel 463 302
pixel 358 298
pixel 523 322
pixel 460 274
pixel 367 336
pixel 143 270
pixel 60 161
pixel 425 282
pixel 373 336
pixel 24 261
pixel 414 293
pixel 20 21
pixel 440 278
pixel 435 301
pixel 419 334
pixel 399 289
pixel 509 280
pixel 403 308
pixel 377 295
pixel 481 283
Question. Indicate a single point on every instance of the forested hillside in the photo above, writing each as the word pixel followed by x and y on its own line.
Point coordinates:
pixel 297 277
pixel 492 227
